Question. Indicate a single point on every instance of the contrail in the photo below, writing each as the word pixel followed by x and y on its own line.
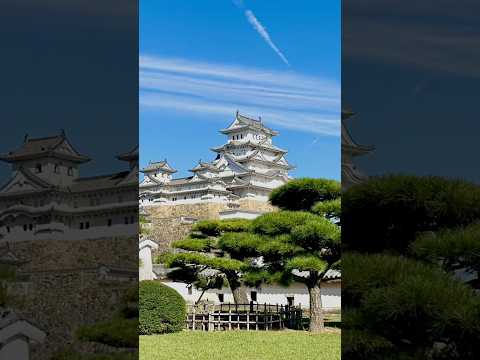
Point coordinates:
pixel 264 34
pixel 260 29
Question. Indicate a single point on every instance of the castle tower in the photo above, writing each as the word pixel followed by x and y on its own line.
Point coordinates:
pixel 157 173
pixel 350 149
pixel 52 160
pixel 250 146
pixel 248 165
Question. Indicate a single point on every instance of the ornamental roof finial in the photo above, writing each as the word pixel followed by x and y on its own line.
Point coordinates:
pixel 236 114
pixel 62 133
pixel 25 138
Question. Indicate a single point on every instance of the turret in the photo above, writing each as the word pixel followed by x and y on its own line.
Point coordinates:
pixel 52 159
pixel 159 171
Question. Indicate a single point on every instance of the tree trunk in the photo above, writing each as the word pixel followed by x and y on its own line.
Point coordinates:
pixel 200 298
pixel 239 295
pixel 316 311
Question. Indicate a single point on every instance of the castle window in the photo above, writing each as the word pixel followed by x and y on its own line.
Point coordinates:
pixel 30 227
pixel 8 229
pixel 221 298
pixel 190 290
pixel 38 168
pixel 109 222
pixel 253 295
pixel 184 198
pixel 25 227
pixel 56 169
pixel 87 225
pixel 241 136
pixel 81 226
pixel 70 171
pixel 126 220
pixel 132 220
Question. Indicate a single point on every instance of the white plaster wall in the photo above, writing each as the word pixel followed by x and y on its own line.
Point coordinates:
pixel 270 294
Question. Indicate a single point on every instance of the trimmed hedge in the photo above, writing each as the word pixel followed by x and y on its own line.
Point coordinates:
pixel 162 309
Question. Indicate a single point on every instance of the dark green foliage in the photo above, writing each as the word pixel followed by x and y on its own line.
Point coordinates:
pixel 317 234
pixel 192 258
pixel 453 248
pixel 282 222
pixel 388 212
pixel 302 194
pixel 310 263
pixel 207 227
pixel 162 309
pixel 234 225
pixel 408 304
pixel 330 209
pixel 117 332
pixel 239 245
pixel 194 244
pixel 360 345
pixel 216 227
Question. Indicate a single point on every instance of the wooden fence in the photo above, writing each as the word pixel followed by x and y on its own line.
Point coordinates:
pixel 251 316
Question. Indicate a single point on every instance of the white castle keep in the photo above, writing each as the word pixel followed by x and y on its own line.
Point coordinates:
pixel 248 165
pixel 45 197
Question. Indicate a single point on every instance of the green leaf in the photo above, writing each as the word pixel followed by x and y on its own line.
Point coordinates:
pixel 307 263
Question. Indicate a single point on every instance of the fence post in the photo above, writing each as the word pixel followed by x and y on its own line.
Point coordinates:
pixel 248 321
pixel 209 318
pixel 194 319
pixel 265 316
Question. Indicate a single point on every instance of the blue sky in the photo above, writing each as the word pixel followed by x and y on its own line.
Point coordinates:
pixel 200 61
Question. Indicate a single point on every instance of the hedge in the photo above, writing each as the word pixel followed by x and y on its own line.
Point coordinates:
pixel 162 309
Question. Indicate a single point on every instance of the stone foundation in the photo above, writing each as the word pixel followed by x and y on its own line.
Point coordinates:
pixel 171 222
pixel 62 287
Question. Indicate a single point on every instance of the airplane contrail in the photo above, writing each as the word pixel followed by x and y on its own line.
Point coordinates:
pixel 260 29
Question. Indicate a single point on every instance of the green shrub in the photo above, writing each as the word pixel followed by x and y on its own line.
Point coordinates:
pixel 117 332
pixel 162 309
pixel 302 194
pixel 281 222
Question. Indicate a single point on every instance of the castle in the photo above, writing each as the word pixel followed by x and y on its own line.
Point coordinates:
pixel 46 198
pixel 247 166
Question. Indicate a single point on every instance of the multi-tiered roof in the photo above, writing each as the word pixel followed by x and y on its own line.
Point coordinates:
pixel 248 163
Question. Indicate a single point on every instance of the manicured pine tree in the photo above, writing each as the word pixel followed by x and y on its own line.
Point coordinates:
pixel 302 241
pixel 205 263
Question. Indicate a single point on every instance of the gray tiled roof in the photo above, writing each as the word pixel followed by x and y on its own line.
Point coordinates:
pixel 45 146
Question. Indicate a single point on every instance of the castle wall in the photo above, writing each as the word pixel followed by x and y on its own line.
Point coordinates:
pixel 61 288
pixel 172 222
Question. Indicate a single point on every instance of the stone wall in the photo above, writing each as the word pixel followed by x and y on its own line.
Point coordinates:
pixel 60 288
pixel 168 225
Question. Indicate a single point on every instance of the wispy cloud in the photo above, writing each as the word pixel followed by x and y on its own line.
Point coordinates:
pixel 260 29
pixel 283 98
pixel 264 34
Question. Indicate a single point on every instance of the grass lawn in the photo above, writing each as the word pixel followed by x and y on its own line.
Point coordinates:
pixel 241 345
